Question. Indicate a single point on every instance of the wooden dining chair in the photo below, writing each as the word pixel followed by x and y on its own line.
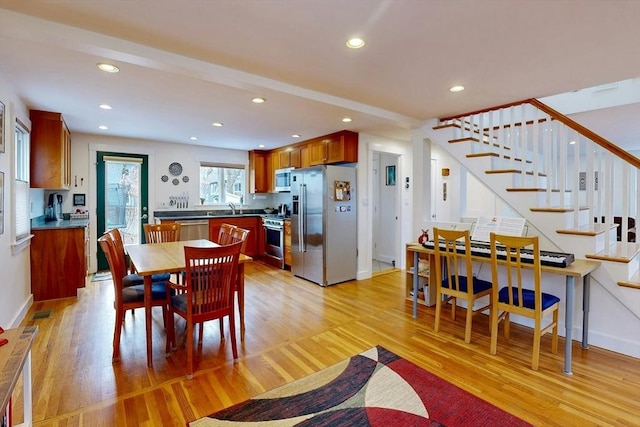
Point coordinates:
pixel 514 298
pixel 207 294
pixel 130 278
pixel 453 270
pixel 240 235
pixel 225 235
pixel 127 297
pixel 160 233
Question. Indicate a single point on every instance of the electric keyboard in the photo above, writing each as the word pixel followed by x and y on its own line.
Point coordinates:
pixel 548 258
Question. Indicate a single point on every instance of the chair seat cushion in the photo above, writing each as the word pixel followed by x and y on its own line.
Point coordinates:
pixel 134 279
pixel 529 298
pixel 136 293
pixel 179 302
pixel 479 285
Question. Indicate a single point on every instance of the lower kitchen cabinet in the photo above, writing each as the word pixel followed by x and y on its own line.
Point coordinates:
pixel 255 245
pixel 58 262
pixel 287 242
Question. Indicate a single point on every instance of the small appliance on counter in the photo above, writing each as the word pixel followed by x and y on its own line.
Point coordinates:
pixel 53 211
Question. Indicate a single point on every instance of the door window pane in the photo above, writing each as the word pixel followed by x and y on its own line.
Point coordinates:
pixel 122 194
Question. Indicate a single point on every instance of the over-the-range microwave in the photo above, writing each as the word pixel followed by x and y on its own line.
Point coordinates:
pixel 283 179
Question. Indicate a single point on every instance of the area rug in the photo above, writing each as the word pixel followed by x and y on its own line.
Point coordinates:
pixel 375 388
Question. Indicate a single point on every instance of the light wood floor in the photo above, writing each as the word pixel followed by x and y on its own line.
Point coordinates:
pixel 295 328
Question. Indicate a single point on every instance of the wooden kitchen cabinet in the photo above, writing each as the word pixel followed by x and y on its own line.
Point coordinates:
pixel 259 167
pixel 287 242
pixel 339 147
pixel 289 157
pixel 50 151
pixel 255 245
pixel 58 262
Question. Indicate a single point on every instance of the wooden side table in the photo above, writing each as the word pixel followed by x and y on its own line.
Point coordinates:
pixel 15 359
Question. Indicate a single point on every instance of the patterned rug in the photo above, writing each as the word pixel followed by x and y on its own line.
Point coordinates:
pixel 100 276
pixel 375 388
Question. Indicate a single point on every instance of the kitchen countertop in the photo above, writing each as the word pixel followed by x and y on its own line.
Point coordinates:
pixel 201 214
pixel 40 224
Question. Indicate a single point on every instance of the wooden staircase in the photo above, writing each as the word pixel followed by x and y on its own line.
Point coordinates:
pixel 537 160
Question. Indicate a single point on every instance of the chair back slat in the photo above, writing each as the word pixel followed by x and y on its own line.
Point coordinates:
pixel 116 262
pixel 160 233
pixel 240 235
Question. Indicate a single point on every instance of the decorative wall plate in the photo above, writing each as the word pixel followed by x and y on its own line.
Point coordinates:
pixel 185 178
pixel 175 168
pixel 164 178
pixel 175 181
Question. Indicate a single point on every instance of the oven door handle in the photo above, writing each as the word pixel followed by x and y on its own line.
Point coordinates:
pixel 274 228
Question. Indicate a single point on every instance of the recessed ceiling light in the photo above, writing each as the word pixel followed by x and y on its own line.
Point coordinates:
pixel 572 142
pixel 457 89
pixel 109 68
pixel 355 43
pixel 103 127
pixel 105 106
pixel 295 135
pixel 261 146
pixel 258 100
pixel 193 138
pixel 347 120
pixel 217 124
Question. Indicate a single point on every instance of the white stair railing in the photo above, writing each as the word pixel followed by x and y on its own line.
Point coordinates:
pixel 568 165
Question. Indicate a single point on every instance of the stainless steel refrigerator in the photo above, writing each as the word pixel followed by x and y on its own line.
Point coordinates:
pixel 324 224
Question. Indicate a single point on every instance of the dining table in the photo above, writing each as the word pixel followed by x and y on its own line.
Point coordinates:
pixel 168 257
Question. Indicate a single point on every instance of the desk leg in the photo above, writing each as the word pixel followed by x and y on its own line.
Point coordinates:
pixel 240 285
pixel 568 323
pixel 27 410
pixel 415 283
pixel 147 317
pixel 585 310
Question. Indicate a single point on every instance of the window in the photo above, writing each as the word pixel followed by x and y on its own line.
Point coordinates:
pixel 221 184
pixel 21 223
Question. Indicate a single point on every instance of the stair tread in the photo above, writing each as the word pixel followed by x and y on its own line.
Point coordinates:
pixel 535 189
pixel 633 282
pixel 586 230
pixel 617 252
pixel 558 209
pixel 518 171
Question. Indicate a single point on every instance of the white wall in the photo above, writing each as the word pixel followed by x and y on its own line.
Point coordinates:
pixel 15 285
pixel 367 146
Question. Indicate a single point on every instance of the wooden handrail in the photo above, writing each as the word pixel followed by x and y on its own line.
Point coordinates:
pixel 604 143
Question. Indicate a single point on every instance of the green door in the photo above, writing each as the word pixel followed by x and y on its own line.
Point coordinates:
pixel 122 197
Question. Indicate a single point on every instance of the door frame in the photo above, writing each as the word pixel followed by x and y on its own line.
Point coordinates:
pixel 101 262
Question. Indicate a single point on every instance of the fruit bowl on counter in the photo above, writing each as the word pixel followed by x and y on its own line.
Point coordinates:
pixel 269 210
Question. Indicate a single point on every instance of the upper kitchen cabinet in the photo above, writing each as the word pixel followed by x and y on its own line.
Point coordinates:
pixel 259 168
pixel 339 147
pixel 50 151
pixel 289 157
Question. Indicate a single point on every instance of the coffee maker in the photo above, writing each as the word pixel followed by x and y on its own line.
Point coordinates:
pixel 53 211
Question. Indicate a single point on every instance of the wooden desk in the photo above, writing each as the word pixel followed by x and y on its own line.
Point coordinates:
pixel 580 268
pixel 15 358
pixel 157 258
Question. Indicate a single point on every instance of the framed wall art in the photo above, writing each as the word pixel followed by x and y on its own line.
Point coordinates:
pixel 78 200
pixel 390 178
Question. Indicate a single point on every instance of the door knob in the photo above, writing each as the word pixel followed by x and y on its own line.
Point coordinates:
pixel 145 216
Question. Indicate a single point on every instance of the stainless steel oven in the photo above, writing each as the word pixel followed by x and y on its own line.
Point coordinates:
pixel 274 240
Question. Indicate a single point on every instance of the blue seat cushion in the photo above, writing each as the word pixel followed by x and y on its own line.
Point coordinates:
pixel 479 285
pixel 179 302
pixel 528 296
pixel 134 279
pixel 135 293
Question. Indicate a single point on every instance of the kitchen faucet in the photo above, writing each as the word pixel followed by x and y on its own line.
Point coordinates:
pixel 233 208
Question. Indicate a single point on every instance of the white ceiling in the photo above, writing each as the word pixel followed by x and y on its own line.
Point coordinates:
pixel 185 64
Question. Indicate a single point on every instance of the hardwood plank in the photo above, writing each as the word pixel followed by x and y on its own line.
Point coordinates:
pixel 295 328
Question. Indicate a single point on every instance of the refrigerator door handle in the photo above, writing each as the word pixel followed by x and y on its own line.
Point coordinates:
pixel 302 218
